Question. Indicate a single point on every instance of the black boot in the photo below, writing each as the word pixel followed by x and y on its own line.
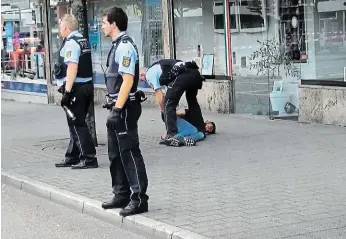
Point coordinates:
pixel 115 203
pixel 133 208
pixel 84 164
pixel 67 163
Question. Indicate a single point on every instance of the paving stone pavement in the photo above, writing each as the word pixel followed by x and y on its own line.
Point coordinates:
pixel 254 179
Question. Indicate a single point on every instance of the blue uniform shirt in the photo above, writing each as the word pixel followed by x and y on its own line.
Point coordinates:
pixel 71 53
pixel 153 75
pixel 126 57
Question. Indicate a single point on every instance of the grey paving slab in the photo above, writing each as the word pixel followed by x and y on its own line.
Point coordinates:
pixel 254 179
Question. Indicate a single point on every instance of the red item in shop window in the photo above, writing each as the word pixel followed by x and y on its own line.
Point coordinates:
pixel 304 57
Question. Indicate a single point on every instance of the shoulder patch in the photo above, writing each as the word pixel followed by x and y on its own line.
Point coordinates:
pixel 68 54
pixel 126 61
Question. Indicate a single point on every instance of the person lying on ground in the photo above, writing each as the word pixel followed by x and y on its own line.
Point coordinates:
pixel 196 120
pixel 188 134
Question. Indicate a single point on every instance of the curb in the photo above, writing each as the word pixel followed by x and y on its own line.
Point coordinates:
pixel 138 224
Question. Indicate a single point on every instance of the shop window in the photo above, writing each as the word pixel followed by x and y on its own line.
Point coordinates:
pixel 219 17
pixel 144 26
pixel 199 31
pixel 293 29
pixel 245 15
pixel 22 44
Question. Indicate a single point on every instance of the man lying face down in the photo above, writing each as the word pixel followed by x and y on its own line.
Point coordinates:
pixel 191 128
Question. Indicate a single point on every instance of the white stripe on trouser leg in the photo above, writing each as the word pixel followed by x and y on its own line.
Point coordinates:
pixel 80 144
pixel 133 159
pixel 121 158
pixel 165 116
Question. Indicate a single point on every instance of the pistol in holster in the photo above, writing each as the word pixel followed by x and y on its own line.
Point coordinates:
pixel 109 103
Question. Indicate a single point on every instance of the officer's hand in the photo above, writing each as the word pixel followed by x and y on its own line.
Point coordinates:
pixel 163 117
pixel 66 99
pixel 114 119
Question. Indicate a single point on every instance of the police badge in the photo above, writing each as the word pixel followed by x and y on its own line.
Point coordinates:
pixel 126 61
pixel 68 54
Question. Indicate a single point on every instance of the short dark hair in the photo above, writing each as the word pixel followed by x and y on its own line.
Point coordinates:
pixel 117 15
pixel 214 127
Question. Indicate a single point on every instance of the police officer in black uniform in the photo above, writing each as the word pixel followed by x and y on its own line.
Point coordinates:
pixel 178 77
pixel 74 70
pixel 128 173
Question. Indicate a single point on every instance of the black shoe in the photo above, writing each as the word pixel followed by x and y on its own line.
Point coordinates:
pixel 134 208
pixel 84 164
pixel 66 163
pixel 114 203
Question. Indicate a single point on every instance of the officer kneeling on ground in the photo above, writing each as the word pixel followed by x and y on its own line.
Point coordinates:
pixel 127 168
pixel 179 77
pixel 74 68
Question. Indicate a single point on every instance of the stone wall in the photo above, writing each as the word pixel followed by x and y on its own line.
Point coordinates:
pixel 216 96
pixel 322 104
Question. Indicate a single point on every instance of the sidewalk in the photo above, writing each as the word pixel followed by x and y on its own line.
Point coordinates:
pixel 254 179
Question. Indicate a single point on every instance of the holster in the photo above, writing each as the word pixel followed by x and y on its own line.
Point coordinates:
pixel 140 96
pixel 61 89
pixel 109 103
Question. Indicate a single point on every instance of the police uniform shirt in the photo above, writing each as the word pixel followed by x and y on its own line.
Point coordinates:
pixel 71 52
pixel 126 57
pixel 153 75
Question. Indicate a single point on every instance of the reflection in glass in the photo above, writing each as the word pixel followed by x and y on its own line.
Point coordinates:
pixel 199 29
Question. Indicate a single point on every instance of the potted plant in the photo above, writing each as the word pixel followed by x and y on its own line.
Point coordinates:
pixel 267 61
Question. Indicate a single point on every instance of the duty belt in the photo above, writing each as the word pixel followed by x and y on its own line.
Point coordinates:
pixel 112 98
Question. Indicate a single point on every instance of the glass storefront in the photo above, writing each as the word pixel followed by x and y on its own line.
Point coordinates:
pixel 277 43
pixel 274 44
pixel 199 30
pixel 145 27
pixel 22 47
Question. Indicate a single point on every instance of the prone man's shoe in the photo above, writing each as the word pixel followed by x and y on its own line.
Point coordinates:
pixel 134 208
pixel 174 141
pixel 66 163
pixel 115 203
pixel 189 142
pixel 85 164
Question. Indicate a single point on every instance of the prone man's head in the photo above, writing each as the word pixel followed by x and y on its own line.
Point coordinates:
pixel 142 74
pixel 210 127
pixel 68 24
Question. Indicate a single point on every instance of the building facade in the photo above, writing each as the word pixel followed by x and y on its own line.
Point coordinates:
pixel 254 53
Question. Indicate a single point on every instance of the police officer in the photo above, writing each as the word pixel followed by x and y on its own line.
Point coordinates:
pixel 127 168
pixel 74 69
pixel 178 77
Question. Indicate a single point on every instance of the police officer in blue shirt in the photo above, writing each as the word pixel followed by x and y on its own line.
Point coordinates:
pixel 178 77
pixel 74 69
pixel 127 168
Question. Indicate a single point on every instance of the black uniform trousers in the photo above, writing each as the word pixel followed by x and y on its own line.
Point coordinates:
pixel 81 146
pixel 190 81
pixel 127 168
